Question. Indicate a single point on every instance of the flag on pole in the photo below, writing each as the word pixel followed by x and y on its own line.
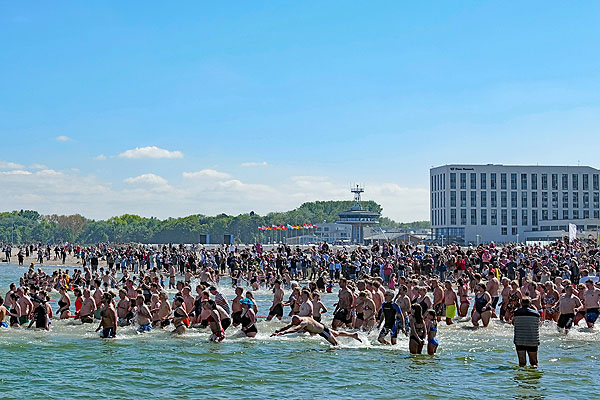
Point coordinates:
pixel 572 232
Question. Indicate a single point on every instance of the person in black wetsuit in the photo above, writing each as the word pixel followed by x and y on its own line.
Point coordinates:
pixel 40 314
pixel 390 315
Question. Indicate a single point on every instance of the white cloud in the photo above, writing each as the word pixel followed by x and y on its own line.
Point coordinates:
pixel 15 172
pixel 63 138
pixel 206 173
pixel 150 152
pixel 149 179
pixel 100 157
pixel 38 166
pixel 254 164
pixel 10 165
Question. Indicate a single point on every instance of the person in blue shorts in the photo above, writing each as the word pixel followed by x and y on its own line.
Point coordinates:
pixel 390 316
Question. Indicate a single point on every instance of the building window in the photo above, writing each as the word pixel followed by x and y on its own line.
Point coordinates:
pixel 585 182
pixel 473 216
pixel 463 180
pixel 554 199
pixel 503 217
pixel 503 181
pixel 544 215
pixel 493 199
pixel 554 181
pixel 554 214
pixel 534 197
pixel 534 217
pixel 586 213
pixel 504 231
pixel 565 214
pixel 453 198
pixel 513 217
pixel 523 181
pixel 524 199
pixel 533 181
pixel 483 182
pixel 473 199
pixel 565 200
pixel 514 231
pixel 544 199
pixel 586 200
pixel 575 180
pixel 483 196
pixel 596 213
pixel 463 217
pixel 513 181
pixel 484 217
pixel 513 199
pixel 493 181
pixel 503 199
pixel 575 214
pixel 493 216
pixel 463 198
pixel 544 181
pixel 596 200
pixel 453 180
pixel 473 181
pixel 575 200
pixel 524 217
pixel 565 182
pixel 596 181
pixel 453 216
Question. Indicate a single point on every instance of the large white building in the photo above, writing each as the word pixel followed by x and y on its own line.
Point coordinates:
pixel 507 203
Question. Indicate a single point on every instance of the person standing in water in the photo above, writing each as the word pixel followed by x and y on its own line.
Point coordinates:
pixel 108 317
pixel 418 330
pixel 527 333
pixel 248 318
pixel 567 306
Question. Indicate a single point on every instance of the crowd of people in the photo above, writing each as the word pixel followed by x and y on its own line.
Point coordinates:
pixel 392 288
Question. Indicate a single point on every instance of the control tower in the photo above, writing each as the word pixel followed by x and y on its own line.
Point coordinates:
pixel 358 217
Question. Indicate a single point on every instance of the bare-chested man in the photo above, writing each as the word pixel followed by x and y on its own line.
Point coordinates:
pixel 163 314
pixel 504 294
pixel 276 309
pixel 492 287
pixel 450 301
pixel 88 307
pixel 188 299
pixel 308 324
pixel 306 308
pixel 591 298
pixel 123 307
pixel 567 305
pixel 144 316
pixel 438 299
pixel 236 306
pixel 26 306
pixel 343 311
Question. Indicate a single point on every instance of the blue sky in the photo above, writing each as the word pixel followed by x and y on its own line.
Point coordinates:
pixel 314 95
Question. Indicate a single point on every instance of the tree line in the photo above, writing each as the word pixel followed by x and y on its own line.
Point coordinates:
pixel 28 226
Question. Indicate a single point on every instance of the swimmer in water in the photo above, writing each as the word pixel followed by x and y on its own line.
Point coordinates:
pixel 308 324
pixel 108 317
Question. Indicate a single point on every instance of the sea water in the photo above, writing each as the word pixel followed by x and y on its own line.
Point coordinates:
pixel 72 362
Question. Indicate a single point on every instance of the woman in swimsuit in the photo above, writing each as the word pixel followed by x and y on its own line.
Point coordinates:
pixel 482 309
pixel 181 319
pixel 64 304
pixel 248 318
pixel 514 300
pixel 214 321
pixel 463 295
pixel 14 311
pixel 250 296
pixel 78 300
pixel 418 331
pixel 431 323
pixel 549 302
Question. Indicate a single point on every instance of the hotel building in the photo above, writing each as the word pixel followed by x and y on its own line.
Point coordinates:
pixel 508 203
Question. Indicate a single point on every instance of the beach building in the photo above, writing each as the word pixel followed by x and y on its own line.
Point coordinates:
pixel 508 203
pixel 357 217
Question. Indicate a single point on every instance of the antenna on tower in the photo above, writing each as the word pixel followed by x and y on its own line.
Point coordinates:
pixel 357 190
